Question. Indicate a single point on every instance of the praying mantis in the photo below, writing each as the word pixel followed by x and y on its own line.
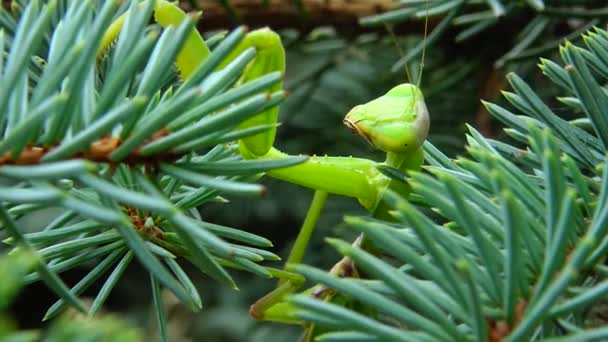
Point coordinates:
pixel 396 123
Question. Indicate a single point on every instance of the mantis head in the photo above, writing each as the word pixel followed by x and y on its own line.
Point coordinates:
pixel 396 122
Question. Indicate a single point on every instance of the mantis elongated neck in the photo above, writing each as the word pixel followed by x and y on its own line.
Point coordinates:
pixel 402 162
pixel 405 161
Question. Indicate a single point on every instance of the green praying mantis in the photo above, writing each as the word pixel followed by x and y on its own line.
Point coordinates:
pixel 396 123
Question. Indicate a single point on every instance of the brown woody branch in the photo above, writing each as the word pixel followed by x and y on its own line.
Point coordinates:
pixel 342 14
pixel 99 151
pixel 286 14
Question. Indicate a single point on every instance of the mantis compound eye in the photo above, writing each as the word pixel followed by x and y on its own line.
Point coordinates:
pixel 353 126
pixel 395 122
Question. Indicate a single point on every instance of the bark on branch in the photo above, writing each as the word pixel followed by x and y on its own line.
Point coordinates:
pixel 286 13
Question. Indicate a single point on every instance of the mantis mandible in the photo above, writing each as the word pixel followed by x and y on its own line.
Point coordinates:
pixel 396 123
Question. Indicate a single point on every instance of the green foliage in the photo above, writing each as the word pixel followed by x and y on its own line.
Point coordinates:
pixel 12 270
pixel 514 245
pixel 542 21
pixel 506 243
pixel 74 327
pixel 105 328
pixel 124 149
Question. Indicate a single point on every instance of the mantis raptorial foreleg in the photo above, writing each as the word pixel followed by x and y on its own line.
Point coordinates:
pixel 396 123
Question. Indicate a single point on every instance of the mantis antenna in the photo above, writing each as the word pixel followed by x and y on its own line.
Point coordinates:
pixel 394 39
pixel 400 50
pixel 426 28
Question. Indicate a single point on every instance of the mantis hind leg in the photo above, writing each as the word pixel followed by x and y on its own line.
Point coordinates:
pixel 261 309
pixel 308 226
